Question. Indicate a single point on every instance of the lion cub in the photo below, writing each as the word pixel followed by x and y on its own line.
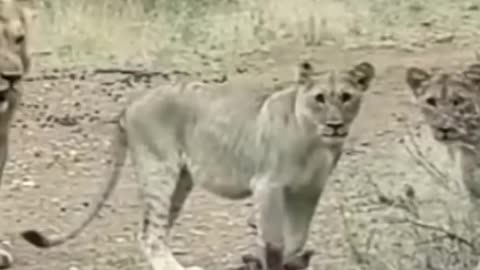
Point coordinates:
pixel 15 16
pixel 278 145
pixel 450 104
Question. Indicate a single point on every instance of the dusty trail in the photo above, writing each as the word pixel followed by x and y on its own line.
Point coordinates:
pixel 60 158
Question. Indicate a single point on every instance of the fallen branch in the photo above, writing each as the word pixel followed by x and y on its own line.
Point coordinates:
pixel 138 72
pixel 363 259
pixel 41 53
pixel 449 234
pixel 46 77
pixel 128 72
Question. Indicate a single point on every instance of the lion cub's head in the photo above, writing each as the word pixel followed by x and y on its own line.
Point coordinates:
pixel 15 16
pixel 328 101
pixel 449 102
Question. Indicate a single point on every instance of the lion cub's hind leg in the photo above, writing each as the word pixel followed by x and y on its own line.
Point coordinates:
pixel 165 186
pixel 182 189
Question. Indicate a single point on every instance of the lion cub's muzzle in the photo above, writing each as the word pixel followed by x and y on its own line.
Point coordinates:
pixel 335 130
pixel 5 98
pixel 445 134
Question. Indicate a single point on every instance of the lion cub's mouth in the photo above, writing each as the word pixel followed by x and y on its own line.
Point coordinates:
pixel 335 134
pixel 445 135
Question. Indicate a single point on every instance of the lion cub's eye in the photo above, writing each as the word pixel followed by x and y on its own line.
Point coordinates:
pixel 457 101
pixel 19 39
pixel 345 97
pixel 431 101
pixel 319 98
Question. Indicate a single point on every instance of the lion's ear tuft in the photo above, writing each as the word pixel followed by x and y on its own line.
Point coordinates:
pixel 304 72
pixel 415 77
pixel 472 73
pixel 362 74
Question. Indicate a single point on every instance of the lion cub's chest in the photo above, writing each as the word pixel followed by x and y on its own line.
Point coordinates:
pixel 311 170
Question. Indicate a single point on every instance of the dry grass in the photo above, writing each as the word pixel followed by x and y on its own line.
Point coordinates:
pixel 152 30
pixel 433 230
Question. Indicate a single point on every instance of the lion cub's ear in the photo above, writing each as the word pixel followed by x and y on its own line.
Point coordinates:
pixel 415 77
pixel 29 10
pixel 472 73
pixel 362 74
pixel 304 72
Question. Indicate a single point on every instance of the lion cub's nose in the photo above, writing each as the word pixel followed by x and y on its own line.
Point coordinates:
pixel 11 77
pixel 445 129
pixel 335 125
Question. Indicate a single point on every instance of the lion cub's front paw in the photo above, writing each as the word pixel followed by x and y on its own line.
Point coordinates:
pixel 300 262
pixel 6 259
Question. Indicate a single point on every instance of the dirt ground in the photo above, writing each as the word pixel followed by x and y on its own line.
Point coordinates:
pixel 59 159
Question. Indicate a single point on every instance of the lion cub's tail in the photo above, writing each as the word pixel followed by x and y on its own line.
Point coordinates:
pixel 119 146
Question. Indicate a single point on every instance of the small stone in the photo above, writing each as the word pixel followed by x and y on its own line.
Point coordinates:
pixel 120 240
pixel 473 7
pixel 197 232
pixel 444 38
pixel 29 183
pixel 179 252
pixel 365 143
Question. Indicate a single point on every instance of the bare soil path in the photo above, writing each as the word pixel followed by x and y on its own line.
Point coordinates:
pixel 60 158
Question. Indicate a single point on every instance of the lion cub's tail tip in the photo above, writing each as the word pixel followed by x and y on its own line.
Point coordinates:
pixel 36 238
